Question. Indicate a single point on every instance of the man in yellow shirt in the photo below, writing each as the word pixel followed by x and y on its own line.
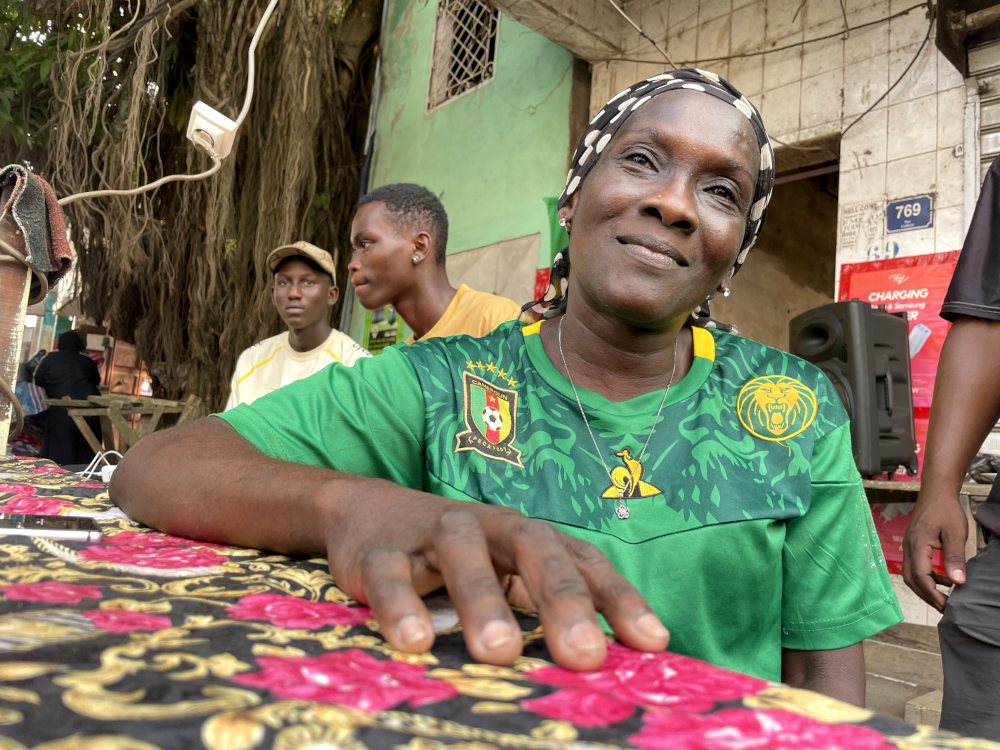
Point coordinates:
pixel 304 289
pixel 400 235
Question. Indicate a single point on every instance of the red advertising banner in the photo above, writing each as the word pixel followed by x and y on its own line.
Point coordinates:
pixel 917 286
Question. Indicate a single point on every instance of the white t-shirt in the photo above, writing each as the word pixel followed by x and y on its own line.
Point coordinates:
pixel 272 363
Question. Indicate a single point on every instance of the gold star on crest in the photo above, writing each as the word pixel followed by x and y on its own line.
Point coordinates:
pixel 491 367
pixel 511 382
pixel 470 365
pixel 481 366
pixel 502 374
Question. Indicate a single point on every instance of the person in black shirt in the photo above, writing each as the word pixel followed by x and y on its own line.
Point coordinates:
pixel 966 406
pixel 68 372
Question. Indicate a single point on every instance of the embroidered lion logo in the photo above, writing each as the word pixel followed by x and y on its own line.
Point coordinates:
pixel 776 407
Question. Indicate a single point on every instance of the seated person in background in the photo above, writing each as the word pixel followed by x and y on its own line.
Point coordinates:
pixel 303 292
pixel 622 456
pixel 400 235
pixel 68 372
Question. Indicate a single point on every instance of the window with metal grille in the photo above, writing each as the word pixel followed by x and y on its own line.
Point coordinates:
pixel 465 45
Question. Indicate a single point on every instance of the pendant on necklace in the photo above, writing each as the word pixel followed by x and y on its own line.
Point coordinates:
pixel 627 482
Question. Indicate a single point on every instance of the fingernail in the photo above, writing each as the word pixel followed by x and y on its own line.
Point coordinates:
pixel 497 634
pixel 958 576
pixel 584 636
pixel 411 630
pixel 651 627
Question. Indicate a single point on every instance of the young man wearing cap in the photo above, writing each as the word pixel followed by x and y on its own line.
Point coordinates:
pixel 400 235
pixel 303 291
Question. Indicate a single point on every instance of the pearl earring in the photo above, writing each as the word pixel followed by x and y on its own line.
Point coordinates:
pixel 416 259
pixel 562 221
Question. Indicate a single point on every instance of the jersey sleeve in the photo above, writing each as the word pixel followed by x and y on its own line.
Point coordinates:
pixel 366 420
pixel 835 588
pixel 975 286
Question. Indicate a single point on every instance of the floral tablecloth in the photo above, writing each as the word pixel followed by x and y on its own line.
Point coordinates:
pixel 148 641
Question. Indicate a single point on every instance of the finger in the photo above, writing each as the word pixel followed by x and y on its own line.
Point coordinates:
pixel 634 622
pixel 492 635
pixel 565 605
pixel 387 577
pixel 517 593
pixel 941 579
pixel 954 555
pixel 921 579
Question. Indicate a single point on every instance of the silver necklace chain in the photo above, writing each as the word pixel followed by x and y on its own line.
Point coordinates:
pixel 622 511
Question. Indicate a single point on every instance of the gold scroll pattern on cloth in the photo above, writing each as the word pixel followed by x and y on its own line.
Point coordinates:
pixel 150 642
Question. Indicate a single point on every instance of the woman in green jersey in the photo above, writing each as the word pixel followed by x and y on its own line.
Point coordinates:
pixel 623 456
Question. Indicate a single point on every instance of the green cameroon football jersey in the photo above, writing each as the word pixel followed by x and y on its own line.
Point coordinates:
pixel 747 530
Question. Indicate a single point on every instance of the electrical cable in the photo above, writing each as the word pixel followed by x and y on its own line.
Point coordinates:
pixel 643 34
pixel 847 26
pixel 250 55
pixel 202 143
pixel 930 27
pixel 216 166
pixel 742 55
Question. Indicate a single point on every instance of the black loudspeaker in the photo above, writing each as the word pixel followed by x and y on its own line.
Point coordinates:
pixel 865 352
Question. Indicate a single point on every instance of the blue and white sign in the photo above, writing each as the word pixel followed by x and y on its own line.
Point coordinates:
pixel 910 213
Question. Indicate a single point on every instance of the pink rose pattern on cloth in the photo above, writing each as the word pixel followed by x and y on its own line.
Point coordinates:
pixel 21 489
pixel 33 505
pixel 50 592
pixel 349 678
pixel 739 729
pixel 661 680
pixel 642 701
pixel 584 708
pixel 165 558
pixel 292 612
pixel 153 539
pixel 125 621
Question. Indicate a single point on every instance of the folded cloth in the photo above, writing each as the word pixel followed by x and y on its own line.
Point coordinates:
pixel 31 397
pixel 30 203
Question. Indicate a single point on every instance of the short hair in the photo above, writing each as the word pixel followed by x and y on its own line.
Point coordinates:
pixel 415 207
pixel 309 262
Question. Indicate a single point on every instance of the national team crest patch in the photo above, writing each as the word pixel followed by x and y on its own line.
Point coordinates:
pixel 490 421
pixel 776 407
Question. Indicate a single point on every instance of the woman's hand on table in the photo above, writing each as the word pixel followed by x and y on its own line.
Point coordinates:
pixel 483 555
pixel 389 545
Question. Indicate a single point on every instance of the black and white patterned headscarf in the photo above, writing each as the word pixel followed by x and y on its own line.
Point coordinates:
pixel 603 128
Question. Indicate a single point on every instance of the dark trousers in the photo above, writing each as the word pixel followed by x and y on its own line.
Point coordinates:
pixel 969 633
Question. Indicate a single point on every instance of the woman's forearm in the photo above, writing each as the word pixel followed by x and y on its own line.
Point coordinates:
pixel 204 481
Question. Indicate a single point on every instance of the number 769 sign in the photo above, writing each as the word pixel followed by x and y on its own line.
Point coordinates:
pixel 910 213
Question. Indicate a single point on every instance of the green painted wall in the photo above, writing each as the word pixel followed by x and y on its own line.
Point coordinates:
pixel 492 154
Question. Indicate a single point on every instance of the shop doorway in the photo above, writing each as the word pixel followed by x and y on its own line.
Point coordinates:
pixel 791 268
